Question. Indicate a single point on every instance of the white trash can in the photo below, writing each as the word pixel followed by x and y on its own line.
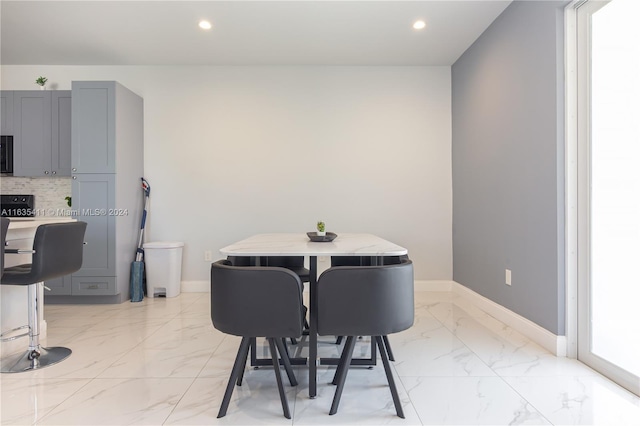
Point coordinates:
pixel 163 268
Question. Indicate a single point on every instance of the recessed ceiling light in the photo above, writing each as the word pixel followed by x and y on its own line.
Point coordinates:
pixel 205 25
pixel 419 25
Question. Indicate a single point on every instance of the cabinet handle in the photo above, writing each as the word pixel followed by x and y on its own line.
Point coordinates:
pixel 53 173
pixel 74 169
pixel 46 172
pixel 74 178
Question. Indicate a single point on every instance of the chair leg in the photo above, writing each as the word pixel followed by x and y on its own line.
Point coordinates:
pixel 339 340
pixel 244 366
pixel 341 364
pixel 276 370
pixel 286 361
pixel 348 348
pixel 387 345
pixel 392 383
pixel 235 372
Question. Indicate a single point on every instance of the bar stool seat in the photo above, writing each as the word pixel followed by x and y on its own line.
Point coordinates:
pixel 57 251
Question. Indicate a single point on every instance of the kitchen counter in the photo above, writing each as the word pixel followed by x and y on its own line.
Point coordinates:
pixel 13 299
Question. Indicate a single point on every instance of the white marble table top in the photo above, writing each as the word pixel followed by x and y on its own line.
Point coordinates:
pixel 300 245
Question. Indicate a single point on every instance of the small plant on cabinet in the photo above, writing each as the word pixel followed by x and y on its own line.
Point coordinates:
pixel 41 81
pixel 320 227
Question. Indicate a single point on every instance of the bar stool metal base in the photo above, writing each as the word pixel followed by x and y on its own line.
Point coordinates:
pixel 25 362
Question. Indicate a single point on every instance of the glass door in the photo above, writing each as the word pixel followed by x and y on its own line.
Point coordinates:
pixel 609 189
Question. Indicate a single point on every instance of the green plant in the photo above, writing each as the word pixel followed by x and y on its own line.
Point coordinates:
pixel 68 201
pixel 320 226
pixel 41 81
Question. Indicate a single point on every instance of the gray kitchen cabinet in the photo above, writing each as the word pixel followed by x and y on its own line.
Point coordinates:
pixel 61 133
pixel 93 198
pixel 42 133
pixel 60 286
pixel 93 286
pixel 31 133
pixel 94 127
pixel 107 164
pixel 6 112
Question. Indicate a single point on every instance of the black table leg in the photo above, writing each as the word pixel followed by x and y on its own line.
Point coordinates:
pixel 313 325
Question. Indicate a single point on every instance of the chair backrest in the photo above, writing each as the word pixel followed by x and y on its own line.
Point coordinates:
pixel 365 300
pixel 58 250
pixel 349 261
pixel 365 260
pixel 4 227
pixel 283 261
pixel 255 301
pixel 239 260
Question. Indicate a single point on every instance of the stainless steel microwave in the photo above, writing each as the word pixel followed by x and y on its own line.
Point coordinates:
pixel 6 154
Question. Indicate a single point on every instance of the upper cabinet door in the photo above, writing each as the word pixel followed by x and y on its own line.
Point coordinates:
pixel 32 133
pixel 93 123
pixel 61 133
pixel 6 111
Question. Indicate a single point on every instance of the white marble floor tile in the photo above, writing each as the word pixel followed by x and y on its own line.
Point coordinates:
pixel 584 400
pixel 469 401
pixel 179 332
pixel 435 353
pixel 25 400
pixel 505 351
pixel 161 361
pixel 366 399
pixel 93 351
pixel 141 362
pixel 256 402
pixel 120 402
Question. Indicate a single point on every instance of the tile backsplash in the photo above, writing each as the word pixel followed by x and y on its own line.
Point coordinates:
pixel 49 192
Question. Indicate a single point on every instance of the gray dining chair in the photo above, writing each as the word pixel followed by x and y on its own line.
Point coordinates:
pixel 366 261
pixel 365 301
pixel 57 251
pixel 251 302
pixel 293 263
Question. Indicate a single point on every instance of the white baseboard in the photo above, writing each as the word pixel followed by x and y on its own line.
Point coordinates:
pixel 432 285
pixel 557 345
pixel 195 287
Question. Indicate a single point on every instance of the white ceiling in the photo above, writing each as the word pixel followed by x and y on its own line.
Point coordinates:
pixel 244 33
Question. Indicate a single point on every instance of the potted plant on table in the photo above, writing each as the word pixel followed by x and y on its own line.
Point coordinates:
pixel 41 81
pixel 321 231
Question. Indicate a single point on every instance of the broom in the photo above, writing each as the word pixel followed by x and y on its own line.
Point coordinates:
pixel 137 266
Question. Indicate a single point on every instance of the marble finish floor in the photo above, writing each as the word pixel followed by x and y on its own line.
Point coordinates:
pixel 160 362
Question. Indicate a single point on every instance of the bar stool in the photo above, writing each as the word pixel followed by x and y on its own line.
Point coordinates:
pixel 57 251
pixel 4 227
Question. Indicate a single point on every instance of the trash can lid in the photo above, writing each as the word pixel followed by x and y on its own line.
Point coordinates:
pixel 163 244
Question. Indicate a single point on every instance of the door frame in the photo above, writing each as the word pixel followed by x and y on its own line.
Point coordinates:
pixel 578 180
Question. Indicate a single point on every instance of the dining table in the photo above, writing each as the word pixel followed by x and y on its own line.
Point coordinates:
pixel 300 244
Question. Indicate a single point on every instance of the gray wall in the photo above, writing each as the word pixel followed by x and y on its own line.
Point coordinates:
pixel 508 163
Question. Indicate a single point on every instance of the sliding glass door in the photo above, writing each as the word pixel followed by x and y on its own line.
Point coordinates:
pixel 608 73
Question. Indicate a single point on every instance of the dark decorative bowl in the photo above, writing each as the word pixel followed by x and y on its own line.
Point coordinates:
pixel 329 236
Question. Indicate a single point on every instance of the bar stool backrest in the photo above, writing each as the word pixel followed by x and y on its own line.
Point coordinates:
pixel 4 227
pixel 58 250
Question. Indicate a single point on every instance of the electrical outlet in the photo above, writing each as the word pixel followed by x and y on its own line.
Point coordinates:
pixel 322 259
pixel 507 276
pixel 207 255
